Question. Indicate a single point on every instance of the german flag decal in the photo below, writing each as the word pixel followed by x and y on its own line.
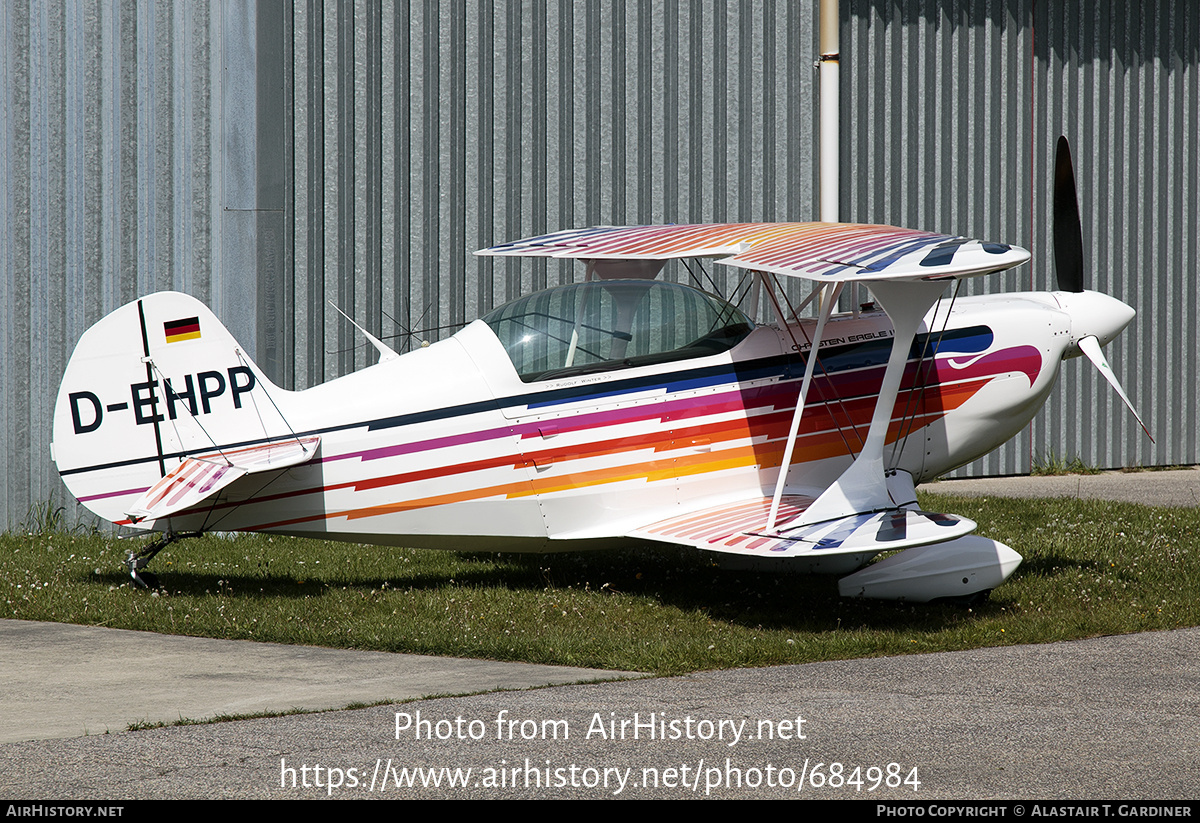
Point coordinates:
pixel 186 329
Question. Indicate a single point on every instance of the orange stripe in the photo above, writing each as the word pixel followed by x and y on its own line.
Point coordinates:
pixel 768 454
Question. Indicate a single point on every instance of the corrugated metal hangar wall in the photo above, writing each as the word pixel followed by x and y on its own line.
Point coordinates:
pixel 269 157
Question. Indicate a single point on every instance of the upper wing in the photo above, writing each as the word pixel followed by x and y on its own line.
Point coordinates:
pixel 906 270
pixel 816 251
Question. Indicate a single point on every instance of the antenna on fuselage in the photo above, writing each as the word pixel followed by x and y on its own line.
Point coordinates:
pixel 386 352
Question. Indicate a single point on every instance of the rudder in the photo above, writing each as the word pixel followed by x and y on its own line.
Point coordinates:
pixel 154 381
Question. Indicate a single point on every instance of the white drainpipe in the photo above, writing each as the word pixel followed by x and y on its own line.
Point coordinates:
pixel 829 110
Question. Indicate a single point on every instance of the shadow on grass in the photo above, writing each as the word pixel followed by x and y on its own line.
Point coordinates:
pixel 1054 565
pixel 686 579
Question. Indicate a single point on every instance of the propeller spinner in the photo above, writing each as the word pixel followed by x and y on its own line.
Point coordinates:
pixel 1097 318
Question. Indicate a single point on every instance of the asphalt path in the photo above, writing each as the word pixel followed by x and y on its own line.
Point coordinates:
pixel 1106 718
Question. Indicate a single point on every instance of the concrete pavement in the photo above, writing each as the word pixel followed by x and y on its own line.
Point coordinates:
pixel 1175 487
pixel 1113 718
pixel 61 680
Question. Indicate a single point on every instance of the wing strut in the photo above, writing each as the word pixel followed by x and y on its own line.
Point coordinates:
pixel 828 301
pixel 863 486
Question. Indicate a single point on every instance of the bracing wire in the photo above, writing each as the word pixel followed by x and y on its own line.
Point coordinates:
pixel 921 380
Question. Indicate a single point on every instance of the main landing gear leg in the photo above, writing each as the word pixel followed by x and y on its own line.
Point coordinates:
pixel 137 562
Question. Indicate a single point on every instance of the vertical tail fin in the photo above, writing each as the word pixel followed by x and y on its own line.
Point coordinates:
pixel 153 382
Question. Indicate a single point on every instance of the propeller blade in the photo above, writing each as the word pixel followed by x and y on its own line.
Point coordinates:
pixel 1091 347
pixel 1068 234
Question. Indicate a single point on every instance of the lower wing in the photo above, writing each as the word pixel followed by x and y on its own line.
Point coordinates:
pixel 740 528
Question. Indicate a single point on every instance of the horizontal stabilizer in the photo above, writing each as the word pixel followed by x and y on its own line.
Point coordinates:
pixel 740 528
pixel 278 455
pixel 198 478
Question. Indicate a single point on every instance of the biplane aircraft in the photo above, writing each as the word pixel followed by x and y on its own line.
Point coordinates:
pixel 620 409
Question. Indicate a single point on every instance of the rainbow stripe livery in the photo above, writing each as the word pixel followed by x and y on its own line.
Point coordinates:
pixel 618 410
pixel 823 252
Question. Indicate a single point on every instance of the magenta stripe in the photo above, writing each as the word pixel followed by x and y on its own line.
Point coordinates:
pixel 191 480
pixel 212 481
pixel 120 493
pixel 778 397
pixel 423 445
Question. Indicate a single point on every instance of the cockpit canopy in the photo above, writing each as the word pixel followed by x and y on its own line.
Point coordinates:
pixel 603 325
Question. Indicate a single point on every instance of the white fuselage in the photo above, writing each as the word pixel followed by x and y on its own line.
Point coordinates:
pixel 447 447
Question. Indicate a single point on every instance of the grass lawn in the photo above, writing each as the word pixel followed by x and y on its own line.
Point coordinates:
pixel 1091 568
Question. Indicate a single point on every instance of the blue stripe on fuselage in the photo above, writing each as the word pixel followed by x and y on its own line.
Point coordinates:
pixel 836 358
